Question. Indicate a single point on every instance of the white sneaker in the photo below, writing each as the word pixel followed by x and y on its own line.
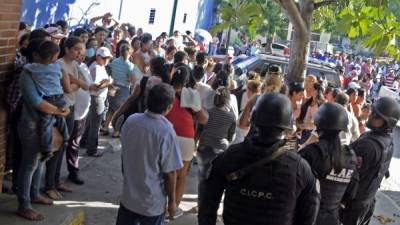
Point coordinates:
pixel 178 213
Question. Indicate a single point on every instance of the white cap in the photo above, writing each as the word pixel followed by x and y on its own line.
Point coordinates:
pixel 54 33
pixel 104 52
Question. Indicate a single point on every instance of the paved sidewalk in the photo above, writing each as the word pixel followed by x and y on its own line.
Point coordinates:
pixel 97 200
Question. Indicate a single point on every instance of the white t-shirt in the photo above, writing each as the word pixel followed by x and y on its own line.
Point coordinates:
pixel 99 73
pixel 82 102
pixel 204 90
pixel 353 131
pixel 72 70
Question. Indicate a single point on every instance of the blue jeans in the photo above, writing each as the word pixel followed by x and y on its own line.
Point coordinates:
pixel 120 97
pixel 212 51
pixel 48 121
pixel 53 166
pixel 31 168
pixel 93 122
pixel 127 217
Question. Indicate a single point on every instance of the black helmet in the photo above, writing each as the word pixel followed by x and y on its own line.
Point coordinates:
pixel 388 109
pixel 331 116
pixel 273 110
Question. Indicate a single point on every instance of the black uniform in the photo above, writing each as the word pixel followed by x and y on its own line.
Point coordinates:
pixel 333 182
pixel 374 152
pixel 280 192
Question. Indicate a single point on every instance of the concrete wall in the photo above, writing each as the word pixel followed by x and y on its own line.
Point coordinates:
pixel 9 22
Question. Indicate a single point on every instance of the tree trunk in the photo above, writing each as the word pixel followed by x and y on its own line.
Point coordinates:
pixel 228 38
pixel 299 44
pixel 297 61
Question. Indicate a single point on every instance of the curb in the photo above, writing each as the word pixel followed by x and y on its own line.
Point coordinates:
pixel 79 219
pixel 390 200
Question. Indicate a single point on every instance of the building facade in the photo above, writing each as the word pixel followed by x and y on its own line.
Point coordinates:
pixel 154 16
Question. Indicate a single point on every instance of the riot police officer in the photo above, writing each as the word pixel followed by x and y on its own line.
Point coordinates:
pixel 265 182
pixel 374 151
pixel 332 162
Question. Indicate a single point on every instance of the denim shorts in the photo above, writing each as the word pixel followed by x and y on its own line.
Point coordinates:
pixel 119 98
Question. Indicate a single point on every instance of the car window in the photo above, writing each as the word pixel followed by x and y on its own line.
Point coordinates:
pixel 260 64
pixel 331 77
pixel 278 46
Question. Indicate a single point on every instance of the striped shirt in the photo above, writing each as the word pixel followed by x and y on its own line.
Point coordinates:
pixel 219 130
pixel 389 80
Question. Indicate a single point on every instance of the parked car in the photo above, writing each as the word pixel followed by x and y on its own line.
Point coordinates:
pixel 279 49
pixel 259 62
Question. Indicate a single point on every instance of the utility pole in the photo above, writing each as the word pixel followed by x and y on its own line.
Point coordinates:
pixel 120 9
pixel 171 27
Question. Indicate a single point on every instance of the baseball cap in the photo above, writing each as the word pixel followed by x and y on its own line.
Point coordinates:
pixel 54 33
pixel 104 52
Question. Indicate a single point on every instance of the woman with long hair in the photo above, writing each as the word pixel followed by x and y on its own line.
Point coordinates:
pixel 182 120
pixel 305 121
pixel 332 162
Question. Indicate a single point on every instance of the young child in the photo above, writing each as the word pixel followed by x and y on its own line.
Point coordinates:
pixel 46 74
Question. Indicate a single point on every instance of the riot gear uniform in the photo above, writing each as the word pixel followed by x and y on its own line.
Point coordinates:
pixel 282 191
pixel 332 163
pixel 388 109
pixel 374 151
pixel 331 116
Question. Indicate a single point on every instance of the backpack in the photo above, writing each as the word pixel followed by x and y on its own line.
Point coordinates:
pixel 138 106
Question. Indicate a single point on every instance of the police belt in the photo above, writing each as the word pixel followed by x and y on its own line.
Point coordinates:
pixel 280 145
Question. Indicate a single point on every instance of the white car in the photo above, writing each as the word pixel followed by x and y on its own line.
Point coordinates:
pixel 279 49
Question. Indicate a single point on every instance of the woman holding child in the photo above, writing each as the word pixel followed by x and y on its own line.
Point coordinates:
pixel 34 107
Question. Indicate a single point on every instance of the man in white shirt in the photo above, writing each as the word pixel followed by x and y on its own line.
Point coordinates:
pixel 98 96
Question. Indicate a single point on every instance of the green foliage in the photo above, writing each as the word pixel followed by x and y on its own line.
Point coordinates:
pixel 374 22
pixel 275 22
pixel 239 15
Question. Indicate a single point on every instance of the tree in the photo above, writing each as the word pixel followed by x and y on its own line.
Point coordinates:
pixel 300 14
pixel 240 15
pixel 275 22
pixel 376 23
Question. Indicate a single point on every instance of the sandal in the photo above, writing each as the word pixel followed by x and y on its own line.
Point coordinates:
pixel 64 188
pixel 115 135
pixel 54 194
pixel 30 214
pixel 41 200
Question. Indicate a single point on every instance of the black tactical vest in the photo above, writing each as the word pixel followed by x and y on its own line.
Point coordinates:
pixel 333 183
pixel 266 196
pixel 370 181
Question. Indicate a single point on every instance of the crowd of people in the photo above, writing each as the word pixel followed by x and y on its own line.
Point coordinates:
pixel 366 73
pixel 169 102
